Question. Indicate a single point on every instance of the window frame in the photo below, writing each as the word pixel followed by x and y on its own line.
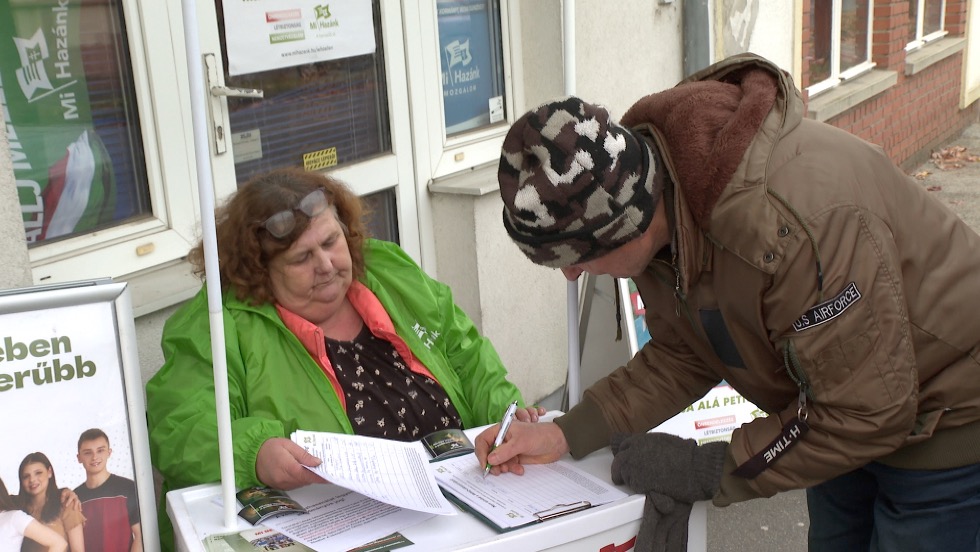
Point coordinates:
pixel 443 155
pixel 170 231
pixel 920 40
pixel 836 75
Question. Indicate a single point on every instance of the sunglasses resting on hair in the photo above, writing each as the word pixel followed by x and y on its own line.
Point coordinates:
pixel 283 222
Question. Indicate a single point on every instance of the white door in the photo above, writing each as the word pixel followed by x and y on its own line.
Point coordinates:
pixel 332 99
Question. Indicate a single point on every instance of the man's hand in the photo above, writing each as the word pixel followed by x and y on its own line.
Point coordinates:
pixel 669 465
pixel 69 500
pixel 525 443
pixel 279 464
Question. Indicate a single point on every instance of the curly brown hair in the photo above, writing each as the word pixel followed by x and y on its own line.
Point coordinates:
pixel 245 247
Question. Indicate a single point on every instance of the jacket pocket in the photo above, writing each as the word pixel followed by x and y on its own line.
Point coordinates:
pixel 849 374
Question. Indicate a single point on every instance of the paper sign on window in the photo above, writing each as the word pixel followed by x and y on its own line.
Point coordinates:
pixel 262 35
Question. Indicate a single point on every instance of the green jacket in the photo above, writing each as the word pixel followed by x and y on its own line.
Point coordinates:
pixel 276 387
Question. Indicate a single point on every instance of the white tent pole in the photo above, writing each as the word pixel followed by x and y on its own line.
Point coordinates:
pixel 205 189
pixel 573 385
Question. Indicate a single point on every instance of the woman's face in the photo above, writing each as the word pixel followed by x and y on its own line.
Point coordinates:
pixel 312 276
pixel 34 478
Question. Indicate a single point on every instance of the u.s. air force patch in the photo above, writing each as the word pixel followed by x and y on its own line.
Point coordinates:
pixel 828 310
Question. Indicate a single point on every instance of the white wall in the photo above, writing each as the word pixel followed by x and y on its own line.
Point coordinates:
pixel 627 51
pixel 764 27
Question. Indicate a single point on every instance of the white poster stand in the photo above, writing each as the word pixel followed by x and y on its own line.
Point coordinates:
pixel 68 364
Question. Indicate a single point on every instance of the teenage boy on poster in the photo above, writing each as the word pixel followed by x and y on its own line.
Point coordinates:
pixel 108 501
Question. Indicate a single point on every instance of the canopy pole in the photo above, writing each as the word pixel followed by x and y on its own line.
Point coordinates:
pixel 205 189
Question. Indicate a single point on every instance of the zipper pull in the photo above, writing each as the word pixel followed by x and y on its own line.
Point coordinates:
pixel 801 410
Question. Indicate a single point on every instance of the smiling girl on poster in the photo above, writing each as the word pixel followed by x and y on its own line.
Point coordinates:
pixel 15 525
pixel 40 497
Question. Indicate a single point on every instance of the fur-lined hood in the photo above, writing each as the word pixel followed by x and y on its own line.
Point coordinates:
pixel 716 131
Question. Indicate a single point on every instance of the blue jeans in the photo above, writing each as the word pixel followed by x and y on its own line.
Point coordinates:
pixel 880 508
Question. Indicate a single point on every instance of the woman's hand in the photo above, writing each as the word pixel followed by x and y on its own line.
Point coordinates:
pixel 530 413
pixel 525 443
pixel 279 464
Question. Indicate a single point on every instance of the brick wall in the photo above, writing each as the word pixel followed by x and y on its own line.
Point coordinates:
pixel 922 111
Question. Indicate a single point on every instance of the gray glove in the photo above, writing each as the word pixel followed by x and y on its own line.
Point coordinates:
pixel 664 525
pixel 669 465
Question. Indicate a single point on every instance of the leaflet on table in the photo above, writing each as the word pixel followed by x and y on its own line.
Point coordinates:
pixel 508 501
pixel 393 472
pixel 447 443
pixel 253 540
pixel 261 503
pixel 341 519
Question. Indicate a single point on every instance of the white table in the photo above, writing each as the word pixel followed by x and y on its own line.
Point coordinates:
pixel 605 528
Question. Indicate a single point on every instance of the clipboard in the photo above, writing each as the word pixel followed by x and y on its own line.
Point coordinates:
pixel 509 501
pixel 555 511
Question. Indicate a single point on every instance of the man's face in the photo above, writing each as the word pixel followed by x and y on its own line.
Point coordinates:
pixel 626 261
pixel 94 455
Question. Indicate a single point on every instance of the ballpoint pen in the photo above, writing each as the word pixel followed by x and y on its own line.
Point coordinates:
pixel 504 426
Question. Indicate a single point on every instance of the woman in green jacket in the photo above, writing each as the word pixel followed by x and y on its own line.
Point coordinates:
pixel 325 330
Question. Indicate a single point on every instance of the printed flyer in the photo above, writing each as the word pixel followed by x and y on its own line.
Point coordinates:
pixel 261 35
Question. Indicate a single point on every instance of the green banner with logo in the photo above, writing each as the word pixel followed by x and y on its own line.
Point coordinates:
pixel 64 175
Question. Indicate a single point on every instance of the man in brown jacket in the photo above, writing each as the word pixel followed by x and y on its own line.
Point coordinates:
pixel 788 258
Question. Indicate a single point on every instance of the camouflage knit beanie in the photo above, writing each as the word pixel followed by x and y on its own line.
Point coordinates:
pixel 575 184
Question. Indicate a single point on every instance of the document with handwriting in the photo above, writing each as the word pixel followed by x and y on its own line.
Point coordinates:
pixel 392 472
pixel 508 501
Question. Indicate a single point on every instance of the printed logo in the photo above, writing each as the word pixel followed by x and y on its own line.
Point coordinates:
pixel 322 12
pixel 427 336
pixel 31 75
pixel 828 310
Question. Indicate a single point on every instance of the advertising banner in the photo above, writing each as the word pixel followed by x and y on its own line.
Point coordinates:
pixel 71 409
pixel 261 35
pixel 468 53
pixel 65 180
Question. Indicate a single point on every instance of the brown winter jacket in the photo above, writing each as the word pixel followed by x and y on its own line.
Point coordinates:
pixel 805 260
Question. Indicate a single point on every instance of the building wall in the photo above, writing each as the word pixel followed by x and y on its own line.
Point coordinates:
pixel 915 117
pixel 922 110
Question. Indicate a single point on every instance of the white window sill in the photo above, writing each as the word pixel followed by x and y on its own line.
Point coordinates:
pixel 161 287
pixel 934 52
pixel 478 181
pixel 850 93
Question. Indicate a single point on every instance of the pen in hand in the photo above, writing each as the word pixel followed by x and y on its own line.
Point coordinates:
pixel 504 426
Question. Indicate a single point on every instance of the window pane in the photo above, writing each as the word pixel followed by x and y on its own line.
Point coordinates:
pixel 854 33
pixel 68 99
pixel 472 63
pixel 821 20
pixel 381 215
pixel 334 109
pixel 932 18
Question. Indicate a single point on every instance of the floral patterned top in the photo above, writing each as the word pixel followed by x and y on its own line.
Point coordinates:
pixel 384 397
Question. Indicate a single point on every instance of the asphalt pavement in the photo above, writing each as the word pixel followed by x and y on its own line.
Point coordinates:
pixel 779 524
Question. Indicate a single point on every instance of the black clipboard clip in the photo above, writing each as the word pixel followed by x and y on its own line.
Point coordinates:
pixel 562 509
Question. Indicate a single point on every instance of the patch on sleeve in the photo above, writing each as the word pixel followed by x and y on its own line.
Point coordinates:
pixel 828 310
